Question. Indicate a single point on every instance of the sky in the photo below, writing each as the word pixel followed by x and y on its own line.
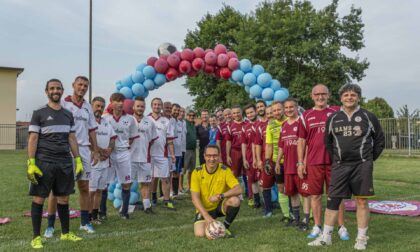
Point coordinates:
pixel 49 39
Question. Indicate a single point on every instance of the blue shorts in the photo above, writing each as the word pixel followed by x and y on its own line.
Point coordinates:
pixel 178 164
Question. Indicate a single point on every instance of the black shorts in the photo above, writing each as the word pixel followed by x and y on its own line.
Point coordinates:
pixel 280 177
pixel 57 177
pixel 215 213
pixel 352 179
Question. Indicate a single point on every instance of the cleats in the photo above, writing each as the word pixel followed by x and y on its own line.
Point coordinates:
pixel 36 243
pixel 148 211
pixel 303 226
pixel 88 228
pixel 97 221
pixel 320 241
pixel 316 231
pixel 169 205
pixel 268 215
pixel 285 221
pixel 70 237
pixel 102 217
pixel 292 223
pixel 361 243
pixel 343 233
pixel 49 232
pixel 251 203
pixel 124 216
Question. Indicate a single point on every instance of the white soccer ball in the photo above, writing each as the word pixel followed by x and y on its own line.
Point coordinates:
pixel 166 49
pixel 215 230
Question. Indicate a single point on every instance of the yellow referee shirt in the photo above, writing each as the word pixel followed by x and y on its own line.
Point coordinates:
pixel 272 135
pixel 209 184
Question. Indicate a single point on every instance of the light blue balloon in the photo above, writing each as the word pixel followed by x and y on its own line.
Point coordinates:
pixel 149 72
pixel 119 86
pixel 159 79
pixel 149 84
pixel 275 85
pixel 264 79
pixel 137 89
pixel 117 203
pixel 146 93
pixel 137 77
pixel 111 187
pixel 118 185
pixel 245 65
pixel 117 193
pixel 257 70
pixel 267 94
pixel 238 75
pixel 126 91
pixel 141 67
pixel 249 79
pixel 127 82
pixel 134 187
pixel 134 197
pixel 111 196
pixel 255 91
pixel 247 88
pixel 268 103
pixel 281 94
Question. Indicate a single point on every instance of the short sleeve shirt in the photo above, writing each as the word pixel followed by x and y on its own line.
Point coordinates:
pixel 273 131
pixel 104 134
pixel 260 135
pixel 140 148
pixel 235 131
pixel 288 142
pixel 125 128
pixel 248 139
pixel 164 133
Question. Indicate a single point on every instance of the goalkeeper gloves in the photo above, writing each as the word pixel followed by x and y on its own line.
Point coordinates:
pixel 79 167
pixel 33 170
pixel 267 167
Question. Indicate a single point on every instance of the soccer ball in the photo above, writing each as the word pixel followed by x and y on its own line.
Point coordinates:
pixel 166 49
pixel 215 230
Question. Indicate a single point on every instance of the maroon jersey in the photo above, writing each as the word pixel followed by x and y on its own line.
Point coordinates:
pixel 248 136
pixel 259 138
pixel 221 136
pixel 288 142
pixel 312 128
pixel 235 134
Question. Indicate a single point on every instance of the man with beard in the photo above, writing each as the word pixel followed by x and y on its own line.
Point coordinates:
pixel 181 119
pixel 141 168
pixel 191 145
pixel 234 142
pixel 178 132
pixel 221 136
pixel 203 134
pixel 50 167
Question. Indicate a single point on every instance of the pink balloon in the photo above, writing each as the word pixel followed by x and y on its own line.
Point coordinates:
pixel 151 61
pixel 222 60
pixel 220 48
pixel 208 50
pixel 128 106
pixel 164 56
pixel 187 54
pixel 184 67
pixel 198 64
pixel 161 65
pixel 225 73
pixel 177 53
pixel 199 52
pixel 208 69
pixel 171 74
pixel 232 54
pixel 173 60
pixel 233 64
pixel 210 58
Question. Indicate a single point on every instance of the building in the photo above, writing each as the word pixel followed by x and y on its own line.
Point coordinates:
pixel 8 76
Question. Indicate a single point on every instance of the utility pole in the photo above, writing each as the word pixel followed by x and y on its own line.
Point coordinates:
pixel 90 52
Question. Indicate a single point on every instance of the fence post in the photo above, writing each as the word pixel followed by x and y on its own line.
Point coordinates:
pixel 409 135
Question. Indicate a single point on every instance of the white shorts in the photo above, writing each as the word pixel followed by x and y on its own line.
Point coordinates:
pixel 85 155
pixel 171 165
pixel 98 179
pixel 142 172
pixel 121 166
pixel 160 166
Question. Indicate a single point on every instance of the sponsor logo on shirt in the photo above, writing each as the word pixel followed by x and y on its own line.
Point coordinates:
pixel 50 118
pixel 358 119
pixel 80 118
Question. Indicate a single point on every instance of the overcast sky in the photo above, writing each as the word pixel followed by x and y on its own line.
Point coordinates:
pixel 49 38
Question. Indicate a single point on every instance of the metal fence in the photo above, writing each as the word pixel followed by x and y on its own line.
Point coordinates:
pixel 13 137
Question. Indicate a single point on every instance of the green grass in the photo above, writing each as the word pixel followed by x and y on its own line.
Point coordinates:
pixel 395 178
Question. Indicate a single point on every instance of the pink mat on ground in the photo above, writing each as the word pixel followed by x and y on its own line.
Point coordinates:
pixel 73 214
pixel 396 207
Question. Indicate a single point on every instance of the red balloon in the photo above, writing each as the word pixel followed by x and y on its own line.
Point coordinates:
pixel 177 53
pixel 220 48
pixel 225 73
pixel 217 72
pixel 184 67
pixel 171 74
pixel 192 73
pixel 109 109
pixel 232 54
pixel 173 60
pixel 164 56
pixel 161 65
pixel 233 64
pixel 208 50
pixel 199 52
pixel 128 106
pixel 210 58
pixel 151 61
pixel 222 60
pixel 187 54
pixel 198 64
pixel 208 69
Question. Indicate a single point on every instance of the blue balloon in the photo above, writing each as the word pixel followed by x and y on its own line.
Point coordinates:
pixel 134 187
pixel 149 84
pixel 119 86
pixel 281 94
pixel 264 80
pixel 138 89
pixel 237 75
pixel 275 85
pixel 160 79
pixel 118 185
pixel 111 187
pixel 257 70
pixel 268 103
pixel 247 88
pixel 137 77
pixel 111 196
pixel 267 94
pixel 249 79
pixel 127 82
pixel 149 72
pixel 134 197
pixel 141 67
pixel 126 91
pixel 117 193
pixel 117 203
pixel 245 65
pixel 146 93
pixel 255 91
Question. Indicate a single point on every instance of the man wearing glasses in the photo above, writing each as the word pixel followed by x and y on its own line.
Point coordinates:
pixel 191 145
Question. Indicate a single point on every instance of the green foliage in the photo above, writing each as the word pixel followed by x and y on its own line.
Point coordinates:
pixel 404 111
pixel 379 107
pixel 296 43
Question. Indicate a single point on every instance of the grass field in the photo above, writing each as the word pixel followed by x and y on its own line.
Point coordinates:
pixel 395 178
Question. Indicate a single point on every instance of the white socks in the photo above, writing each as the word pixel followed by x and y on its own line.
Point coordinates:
pixel 146 203
pixel 327 232
pixel 362 232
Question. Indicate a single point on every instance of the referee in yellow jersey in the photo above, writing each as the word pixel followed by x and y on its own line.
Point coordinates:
pixel 215 192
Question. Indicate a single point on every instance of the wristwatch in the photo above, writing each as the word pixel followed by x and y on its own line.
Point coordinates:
pixel 221 196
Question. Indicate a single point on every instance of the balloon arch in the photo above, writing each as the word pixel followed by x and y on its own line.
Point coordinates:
pixel 220 62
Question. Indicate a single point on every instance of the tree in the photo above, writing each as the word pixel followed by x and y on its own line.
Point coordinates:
pixel 404 111
pixel 297 44
pixel 379 107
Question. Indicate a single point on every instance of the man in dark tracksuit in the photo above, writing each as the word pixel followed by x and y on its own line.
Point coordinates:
pixel 354 138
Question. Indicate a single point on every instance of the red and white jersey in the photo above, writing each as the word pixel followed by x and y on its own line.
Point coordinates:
pixel 183 136
pixel 84 119
pixel 248 135
pixel 180 136
pixel 312 128
pixel 140 148
pixel 125 128
pixel 235 131
pixel 259 139
pixel 288 142
pixel 104 134
pixel 221 136
pixel 165 132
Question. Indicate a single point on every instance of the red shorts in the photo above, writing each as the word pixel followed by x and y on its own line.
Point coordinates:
pixel 293 185
pixel 313 184
pixel 267 181
pixel 236 167
pixel 253 174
